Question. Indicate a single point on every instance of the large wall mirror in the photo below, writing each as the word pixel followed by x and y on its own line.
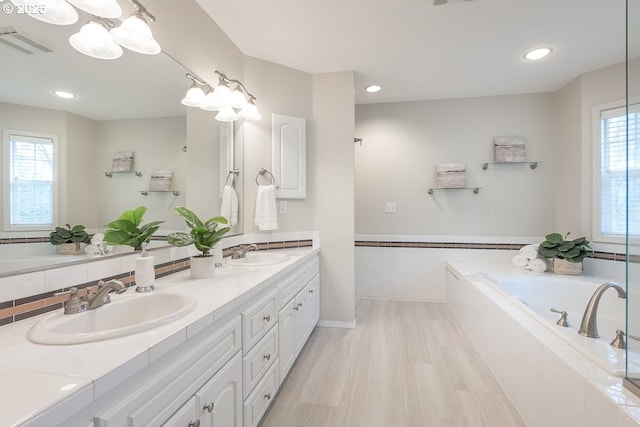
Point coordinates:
pixel 130 104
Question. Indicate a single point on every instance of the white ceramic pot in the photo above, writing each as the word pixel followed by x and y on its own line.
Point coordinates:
pixel 202 267
pixel 562 266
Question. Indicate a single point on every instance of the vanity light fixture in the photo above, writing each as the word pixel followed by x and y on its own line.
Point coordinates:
pixel 230 104
pixel 134 32
pixel 537 53
pixel 373 88
pixel 56 12
pixel 64 94
pixel 94 40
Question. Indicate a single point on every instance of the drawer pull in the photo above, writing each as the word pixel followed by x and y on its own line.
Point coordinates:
pixel 297 307
pixel 267 396
pixel 267 357
pixel 310 291
pixel 300 304
pixel 195 423
pixel 209 407
pixel 267 318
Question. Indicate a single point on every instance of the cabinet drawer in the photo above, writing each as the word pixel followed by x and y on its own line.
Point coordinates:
pixel 257 320
pixel 258 401
pixel 259 360
pixel 291 285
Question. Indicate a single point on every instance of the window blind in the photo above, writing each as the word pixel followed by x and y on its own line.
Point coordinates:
pixel 620 162
pixel 31 166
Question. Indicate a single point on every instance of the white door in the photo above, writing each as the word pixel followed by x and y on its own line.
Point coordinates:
pixel 220 399
pixel 287 337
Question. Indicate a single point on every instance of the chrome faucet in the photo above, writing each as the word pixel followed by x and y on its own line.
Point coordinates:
pixel 241 251
pixel 101 296
pixel 589 325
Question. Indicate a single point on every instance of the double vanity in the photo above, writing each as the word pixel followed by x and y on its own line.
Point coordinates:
pixel 194 352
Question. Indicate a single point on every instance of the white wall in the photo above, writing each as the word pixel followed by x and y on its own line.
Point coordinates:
pixel 403 142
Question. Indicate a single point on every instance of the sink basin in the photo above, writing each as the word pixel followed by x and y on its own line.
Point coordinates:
pixel 126 315
pixel 257 259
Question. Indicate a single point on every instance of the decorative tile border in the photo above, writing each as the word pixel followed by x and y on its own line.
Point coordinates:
pixel 24 308
pixel 610 256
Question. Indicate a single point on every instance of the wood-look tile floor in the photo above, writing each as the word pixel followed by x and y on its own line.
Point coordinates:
pixel 406 364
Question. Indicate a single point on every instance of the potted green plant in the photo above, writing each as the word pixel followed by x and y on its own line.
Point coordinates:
pixel 567 255
pixel 127 230
pixel 68 240
pixel 203 235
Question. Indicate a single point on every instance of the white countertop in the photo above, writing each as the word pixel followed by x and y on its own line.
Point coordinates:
pixel 61 379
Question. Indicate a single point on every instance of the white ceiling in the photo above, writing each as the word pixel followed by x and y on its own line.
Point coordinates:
pixel 416 50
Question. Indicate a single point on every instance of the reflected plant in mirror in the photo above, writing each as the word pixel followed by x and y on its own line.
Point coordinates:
pixel 69 240
pixel 126 230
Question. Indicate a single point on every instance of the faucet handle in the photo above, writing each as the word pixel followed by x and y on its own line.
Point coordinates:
pixel 73 304
pixel 563 318
pixel 618 341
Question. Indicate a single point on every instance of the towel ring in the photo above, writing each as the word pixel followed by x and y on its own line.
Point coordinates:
pixel 262 172
pixel 232 174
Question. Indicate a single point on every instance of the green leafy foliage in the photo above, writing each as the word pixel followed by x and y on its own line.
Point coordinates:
pixel 75 234
pixel 126 230
pixel 203 235
pixel 556 246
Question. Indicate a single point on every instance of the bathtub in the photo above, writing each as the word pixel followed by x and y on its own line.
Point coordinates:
pixel 537 294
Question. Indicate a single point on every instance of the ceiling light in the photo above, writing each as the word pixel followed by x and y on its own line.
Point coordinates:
pixel 195 96
pixel 103 8
pixel 135 35
pixel 57 12
pixel 249 111
pixel 64 94
pixel 227 114
pixel 373 88
pixel 94 40
pixel 537 53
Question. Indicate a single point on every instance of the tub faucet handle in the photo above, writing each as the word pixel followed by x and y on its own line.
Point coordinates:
pixel 563 318
pixel 618 341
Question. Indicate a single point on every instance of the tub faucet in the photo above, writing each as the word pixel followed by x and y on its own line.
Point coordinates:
pixel 101 296
pixel 241 251
pixel 589 325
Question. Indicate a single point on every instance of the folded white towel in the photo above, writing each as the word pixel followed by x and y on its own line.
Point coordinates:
pixel 450 167
pixel 538 265
pixel 529 251
pixel 266 217
pixel 229 205
pixel 520 261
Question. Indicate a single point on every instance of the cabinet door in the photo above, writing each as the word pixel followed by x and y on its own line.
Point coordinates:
pixel 220 399
pixel 287 337
pixel 289 156
pixel 186 416
pixel 302 318
pixel 313 303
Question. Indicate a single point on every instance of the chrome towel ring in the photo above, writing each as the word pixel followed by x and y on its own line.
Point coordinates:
pixel 262 172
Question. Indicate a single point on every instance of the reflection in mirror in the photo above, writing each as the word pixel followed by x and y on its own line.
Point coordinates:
pixel 128 104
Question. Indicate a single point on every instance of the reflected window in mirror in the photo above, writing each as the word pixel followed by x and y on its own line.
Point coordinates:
pixel 30 164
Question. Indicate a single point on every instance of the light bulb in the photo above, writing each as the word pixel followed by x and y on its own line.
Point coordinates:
pixel 135 35
pixel 195 97
pixel 226 114
pixel 57 12
pixel 94 40
pixel 250 112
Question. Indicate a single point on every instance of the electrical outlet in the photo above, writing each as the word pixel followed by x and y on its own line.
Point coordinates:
pixel 391 207
pixel 283 206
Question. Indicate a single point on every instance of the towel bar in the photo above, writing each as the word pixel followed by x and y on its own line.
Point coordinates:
pixel 262 172
pixel 232 174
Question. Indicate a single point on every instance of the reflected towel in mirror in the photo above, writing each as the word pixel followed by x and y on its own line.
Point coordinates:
pixel 229 205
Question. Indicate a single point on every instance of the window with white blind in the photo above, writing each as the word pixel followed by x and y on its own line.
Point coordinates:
pixel 617 163
pixel 30 163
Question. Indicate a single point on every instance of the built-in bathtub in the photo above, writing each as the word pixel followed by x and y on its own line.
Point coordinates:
pixel 537 294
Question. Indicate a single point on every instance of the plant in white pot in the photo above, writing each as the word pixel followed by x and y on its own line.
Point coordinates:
pixel 203 235
pixel 126 230
pixel 567 254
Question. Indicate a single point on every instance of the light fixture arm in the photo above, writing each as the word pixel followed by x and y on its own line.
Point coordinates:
pixel 140 9
pixel 237 82
pixel 196 80
pixel 104 21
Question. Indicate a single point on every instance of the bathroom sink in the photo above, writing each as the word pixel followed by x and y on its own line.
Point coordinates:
pixel 257 259
pixel 126 315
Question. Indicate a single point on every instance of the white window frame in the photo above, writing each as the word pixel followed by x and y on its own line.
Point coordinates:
pixel 6 138
pixel 597 114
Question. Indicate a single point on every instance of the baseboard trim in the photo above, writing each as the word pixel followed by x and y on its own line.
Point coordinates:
pixel 336 324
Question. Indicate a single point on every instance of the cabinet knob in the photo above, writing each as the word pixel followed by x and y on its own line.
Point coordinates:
pixel 310 291
pixel 300 304
pixel 208 407
pixel 267 396
pixel 296 307
pixel 195 423
pixel 267 318
pixel 267 357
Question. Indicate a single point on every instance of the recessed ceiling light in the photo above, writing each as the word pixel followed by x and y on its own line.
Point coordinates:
pixel 537 53
pixel 64 94
pixel 373 88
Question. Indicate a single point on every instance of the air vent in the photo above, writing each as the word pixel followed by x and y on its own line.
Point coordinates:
pixel 11 37
pixel 443 2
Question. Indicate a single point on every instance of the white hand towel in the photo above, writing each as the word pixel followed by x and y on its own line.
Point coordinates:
pixel 538 265
pixel 520 261
pixel 266 217
pixel 529 251
pixel 229 205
